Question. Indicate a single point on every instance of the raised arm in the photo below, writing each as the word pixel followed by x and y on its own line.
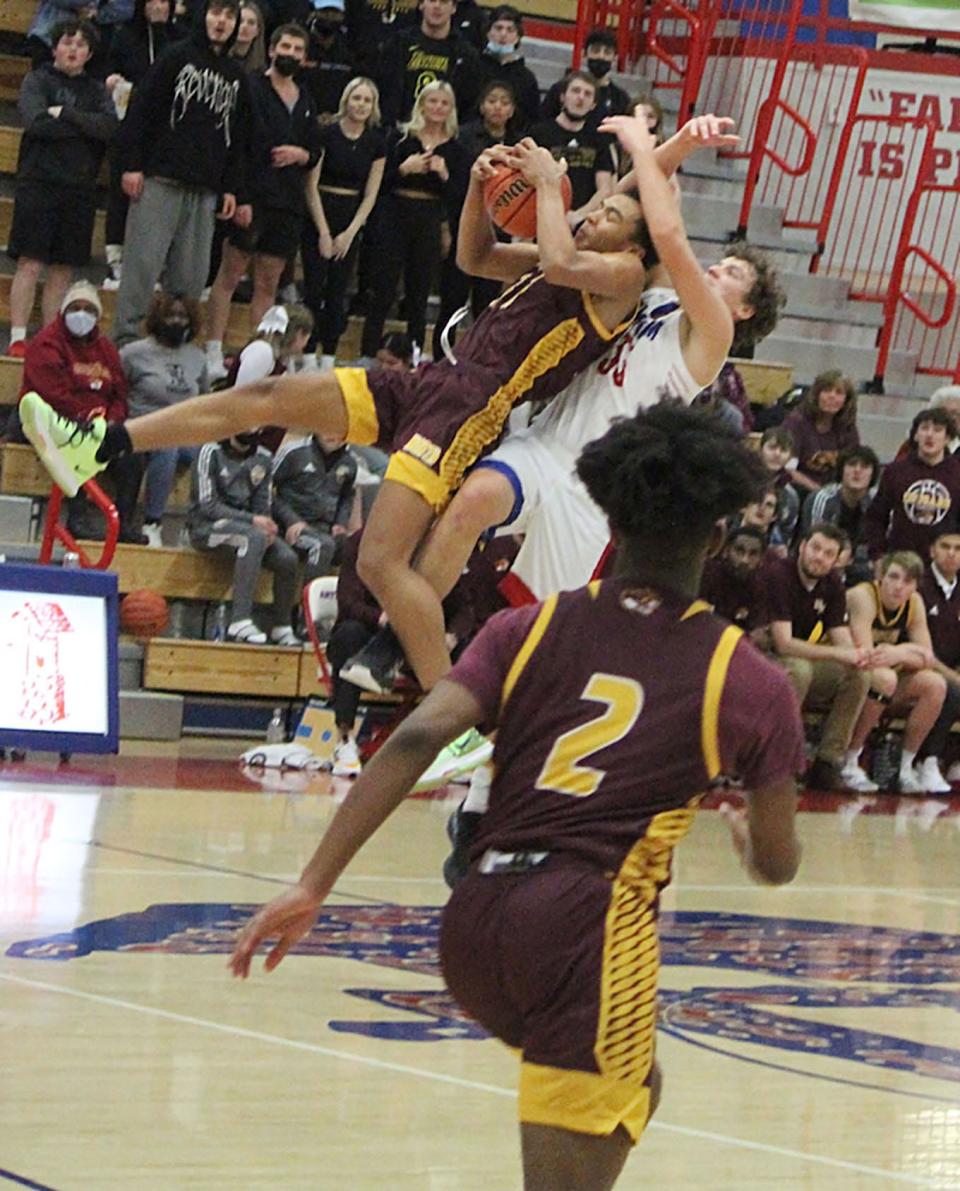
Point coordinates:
pixel 479 253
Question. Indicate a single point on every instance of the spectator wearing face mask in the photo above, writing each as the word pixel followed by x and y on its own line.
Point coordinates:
pixel 164 367
pixel 600 56
pixel 331 62
pixel 502 62
pixel 78 371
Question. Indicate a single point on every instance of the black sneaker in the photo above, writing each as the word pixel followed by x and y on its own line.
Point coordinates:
pixel 461 828
pixel 825 776
pixel 377 666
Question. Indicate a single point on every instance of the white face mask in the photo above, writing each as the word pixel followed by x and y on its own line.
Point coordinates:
pixel 80 322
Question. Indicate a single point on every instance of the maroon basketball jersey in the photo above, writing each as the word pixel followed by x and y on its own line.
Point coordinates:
pixel 615 708
pixel 533 340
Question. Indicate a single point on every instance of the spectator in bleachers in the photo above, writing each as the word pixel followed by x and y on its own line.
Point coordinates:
pixel 184 144
pixel 919 496
pixel 495 127
pixel 888 620
pixel 599 58
pixel 340 193
pixel 331 63
pixel 470 20
pixel 844 503
pixel 947 397
pixel 823 425
pixel 430 50
pixel 50 14
pixel 395 351
pixel 776 451
pixel 762 515
pixel 732 583
pixel 940 592
pixel 68 120
pixel 571 136
pixel 649 108
pixel 250 46
pixel 502 62
pixel 286 147
pixel 424 182
pixel 79 372
pixel 134 49
pixel 370 23
pixel 812 641
pixel 313 499
pixel 164 367
pixel 230 514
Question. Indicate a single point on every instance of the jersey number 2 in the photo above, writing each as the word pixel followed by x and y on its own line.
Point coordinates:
pixel 563 770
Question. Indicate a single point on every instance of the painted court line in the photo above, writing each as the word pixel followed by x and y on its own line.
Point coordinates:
pixel 439 1077
pixel 23 1181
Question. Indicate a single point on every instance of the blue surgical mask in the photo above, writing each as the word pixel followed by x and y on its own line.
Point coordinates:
pixel 80 322
pixel 500 51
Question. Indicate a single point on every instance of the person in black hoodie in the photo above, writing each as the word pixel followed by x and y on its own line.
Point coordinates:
pixel 286 146
pixel 425 53
pixel 68 120
pixel 184 144
pixel 134 49
pixel 502 61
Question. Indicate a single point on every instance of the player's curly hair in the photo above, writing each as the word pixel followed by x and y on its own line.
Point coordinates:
pixel 667 475
pixel 766 296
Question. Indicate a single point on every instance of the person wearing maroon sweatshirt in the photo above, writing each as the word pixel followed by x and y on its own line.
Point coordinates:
pixel 919 496
pixel 79 371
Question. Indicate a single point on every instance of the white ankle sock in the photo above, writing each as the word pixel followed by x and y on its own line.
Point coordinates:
pixel 215 347
pixel 852 756
pixel 17 334
pixel 906 760
pixel 478 793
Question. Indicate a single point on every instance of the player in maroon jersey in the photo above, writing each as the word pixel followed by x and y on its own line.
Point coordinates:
pixel 616 707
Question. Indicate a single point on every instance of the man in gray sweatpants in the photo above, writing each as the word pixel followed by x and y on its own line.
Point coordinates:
pixel 183 145
pixel 230 513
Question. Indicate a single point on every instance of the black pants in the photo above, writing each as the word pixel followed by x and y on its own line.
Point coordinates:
pixel 325 282
pixel 411 247
pixel 84 518
pixel 117 201
pixel 348 637
pixel 936 740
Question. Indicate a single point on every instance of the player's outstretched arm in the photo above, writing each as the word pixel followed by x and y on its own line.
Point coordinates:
pixel 479 253
pixel 710 321
pixel 700 132
pixel 609 274
pixel 446 712
pixel 764 835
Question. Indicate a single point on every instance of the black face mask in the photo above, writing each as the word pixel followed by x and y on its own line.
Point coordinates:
pixel 174 334
pixel 599 67
pixel 286 65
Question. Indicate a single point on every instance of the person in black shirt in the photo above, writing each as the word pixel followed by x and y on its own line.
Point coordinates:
pixel 331 63
pixel 501 60
pixel 600 54
pixel 341 193
pixel 426 179
pixel 372 22
pixel 426 53
pixel 571 137
pixel 286 145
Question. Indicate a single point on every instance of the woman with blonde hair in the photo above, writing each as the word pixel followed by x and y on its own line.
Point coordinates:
pixel 425 179
pixel 250 45
pixel 341 192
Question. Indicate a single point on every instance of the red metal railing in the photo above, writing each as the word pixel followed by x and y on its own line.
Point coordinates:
pixel 921 312
pixel 54 531
pixel 881 161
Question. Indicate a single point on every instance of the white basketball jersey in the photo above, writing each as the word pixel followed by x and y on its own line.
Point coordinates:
pixel 644 366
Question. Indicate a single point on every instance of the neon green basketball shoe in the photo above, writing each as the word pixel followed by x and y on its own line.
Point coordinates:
pixel 67 449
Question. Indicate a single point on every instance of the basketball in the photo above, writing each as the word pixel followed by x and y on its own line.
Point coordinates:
pixel 143 613
pixel 511 201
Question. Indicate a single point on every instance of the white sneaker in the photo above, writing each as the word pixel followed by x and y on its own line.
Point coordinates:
pixel 284 635
pixel 931 778
pixel 459 759
pixel 153 533
pixel 857 779
pixel 346 759
pixel 216 369
pixel 245 632
pixel 910 782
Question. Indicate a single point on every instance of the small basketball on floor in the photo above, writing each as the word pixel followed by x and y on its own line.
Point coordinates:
pixel 143 613
pixel 511 201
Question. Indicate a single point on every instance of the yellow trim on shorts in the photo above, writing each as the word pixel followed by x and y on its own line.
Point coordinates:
pixel 363 427
pixel 581 1101
pixel 598 325
pixel 697 607
pixel 534 638
pixel 410 472
pixel 713 690
pixel 485 426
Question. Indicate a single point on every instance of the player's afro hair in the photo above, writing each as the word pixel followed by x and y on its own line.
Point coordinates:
pixel 667 475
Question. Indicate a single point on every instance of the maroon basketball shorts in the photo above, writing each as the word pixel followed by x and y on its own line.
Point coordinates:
pixel 561 964
pixel 436 422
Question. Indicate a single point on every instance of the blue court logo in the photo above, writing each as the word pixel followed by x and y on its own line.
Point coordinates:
pixel 842 966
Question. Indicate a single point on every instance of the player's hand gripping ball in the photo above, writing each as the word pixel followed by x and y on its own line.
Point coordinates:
pixel 511 201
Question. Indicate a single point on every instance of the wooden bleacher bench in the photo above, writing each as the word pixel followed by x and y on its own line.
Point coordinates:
pixel 13 69
pixel 219 667
pixel 180 573
pixel 9 149
pixel 21 472
pixel 11 372
pixel 764 381
pixel 16 16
